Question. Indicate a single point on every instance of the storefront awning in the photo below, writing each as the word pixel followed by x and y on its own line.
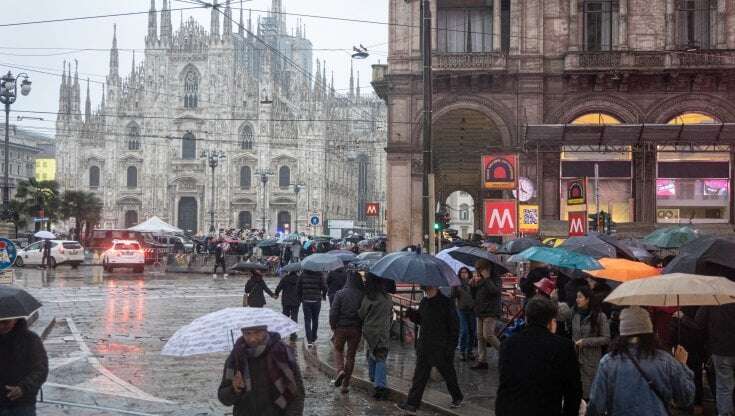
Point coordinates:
pixel 552 136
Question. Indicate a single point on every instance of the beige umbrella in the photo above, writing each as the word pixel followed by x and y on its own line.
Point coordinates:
pixel 675 289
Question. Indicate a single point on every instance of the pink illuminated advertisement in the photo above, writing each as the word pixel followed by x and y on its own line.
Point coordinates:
pixel 716 187
pixel 665 187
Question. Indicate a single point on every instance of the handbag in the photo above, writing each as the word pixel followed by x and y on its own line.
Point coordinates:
pixel 650 383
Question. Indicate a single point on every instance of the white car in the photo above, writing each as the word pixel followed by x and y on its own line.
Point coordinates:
pixel 62 252
pixel 124 253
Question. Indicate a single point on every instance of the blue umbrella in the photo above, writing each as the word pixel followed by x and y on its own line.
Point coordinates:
pixel 421 269
pixel 344 255
pixel 673 237
pixel 322 262
pixel 557 257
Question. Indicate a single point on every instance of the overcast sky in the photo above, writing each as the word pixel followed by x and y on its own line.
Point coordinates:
pixel 131 31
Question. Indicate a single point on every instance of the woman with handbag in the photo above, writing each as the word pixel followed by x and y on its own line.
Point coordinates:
pixel 254 289
pixel 636 377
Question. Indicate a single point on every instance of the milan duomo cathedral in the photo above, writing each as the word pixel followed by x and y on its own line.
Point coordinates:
pixel 286 143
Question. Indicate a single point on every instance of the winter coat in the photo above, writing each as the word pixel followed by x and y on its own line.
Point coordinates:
pixel 377 318
pixel 23 362
pixel 619 389
pixel 255 288
pixel 591 348
pixel 336 281
pixel 438 328
pixel 719 324
pixel 344 310
pixel 539 375
pixel 289 285
pixel 312 287
pixel 463 296
pixel 488 297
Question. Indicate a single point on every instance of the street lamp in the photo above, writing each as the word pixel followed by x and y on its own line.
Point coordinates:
pixel 213 158
pixel 8 95
pixel 297 188
pixel 264 174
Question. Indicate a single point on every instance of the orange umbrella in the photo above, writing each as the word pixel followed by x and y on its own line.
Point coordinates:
pixel 622 270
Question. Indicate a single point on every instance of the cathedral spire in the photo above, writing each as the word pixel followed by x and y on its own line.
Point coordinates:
pixel 214 25
pixel 88 106
pixel 76 93
pixel 227 24
pixel 132 70
pixel 250 22
pixel 241 28
pixel 325 86
pixel 62 91
pixel 166 28
pixel 317 81
pixel 152 37
pixel 102 103
pixel 114 58
pixel 357 92
pixel 277 12
pixel 331 87
pixel 352 80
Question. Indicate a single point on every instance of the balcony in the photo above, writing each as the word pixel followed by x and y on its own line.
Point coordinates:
pixel 648 60
pixel 473 61
pixel 379 82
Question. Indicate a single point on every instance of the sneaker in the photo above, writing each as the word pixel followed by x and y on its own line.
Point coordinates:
pixel 455 404
pixel 407 408
pixel 479 366
pixel 310 345
pixel 340 378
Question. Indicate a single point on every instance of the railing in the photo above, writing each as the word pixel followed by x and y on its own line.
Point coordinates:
pixel 469 61
pixel 648 59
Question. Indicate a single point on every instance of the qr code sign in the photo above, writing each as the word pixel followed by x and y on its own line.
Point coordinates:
pixel 530 216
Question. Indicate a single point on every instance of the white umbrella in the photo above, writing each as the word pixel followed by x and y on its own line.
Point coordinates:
pixel 216 332
pixel 46 235
pixel 451 261
pixel 676 289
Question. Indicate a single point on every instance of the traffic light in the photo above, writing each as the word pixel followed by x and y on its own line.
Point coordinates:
pixel 441 220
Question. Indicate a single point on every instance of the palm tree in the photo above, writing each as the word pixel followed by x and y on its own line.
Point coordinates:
pixel 34 196
pixel 84 207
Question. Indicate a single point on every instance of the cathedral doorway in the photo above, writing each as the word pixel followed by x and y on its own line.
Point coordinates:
pixel 131 218
pixel 188 214
pixel 284 222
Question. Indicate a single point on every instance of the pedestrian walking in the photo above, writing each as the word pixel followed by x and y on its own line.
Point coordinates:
pixel 262 377
pixel 636 377
pixel 254 289
pixel 312 290
pixel 539 373
pixel 335 281
pixel 46 247
pixel 437 340
pixel 467 324
pixel 376 312
pixel 344 319
pixel 290 301
pixel 591 334
pixel 219 259
pixel 690 336
pixel 718 323
pixel 487 307
pixel 23 368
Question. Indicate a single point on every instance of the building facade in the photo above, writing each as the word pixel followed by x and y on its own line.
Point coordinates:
pixel 247 89
pixel 642 89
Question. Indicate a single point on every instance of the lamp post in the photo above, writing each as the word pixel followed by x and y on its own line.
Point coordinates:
pixel 296 189
pixel 264 174
pixel 213 158
pixel 8 95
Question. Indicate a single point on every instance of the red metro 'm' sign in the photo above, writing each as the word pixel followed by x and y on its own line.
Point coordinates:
pixel 577 223
pixel 372 209
pixel 500 217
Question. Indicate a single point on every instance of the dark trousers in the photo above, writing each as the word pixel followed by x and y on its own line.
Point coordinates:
pixel 311 319
pixel 292 311
pixel 218 263
pixel 346 363
pixel 422 373
pixel 28 410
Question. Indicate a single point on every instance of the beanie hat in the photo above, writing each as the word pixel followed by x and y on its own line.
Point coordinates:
pixel 635 321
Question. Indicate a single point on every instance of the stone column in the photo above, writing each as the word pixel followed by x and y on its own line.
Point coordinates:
pixel 548 192
pixel 573 26
pixel 732 186
pixel 516 23
pixel 670 25
pixel 644 185
pixel 623 27
pixel 496 25
pixel 721 34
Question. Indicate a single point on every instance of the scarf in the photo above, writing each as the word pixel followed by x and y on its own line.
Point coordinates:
pixel 280 364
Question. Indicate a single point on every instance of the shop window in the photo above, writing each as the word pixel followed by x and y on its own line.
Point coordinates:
pixel 695 23
pixel 600 25
pixel 465 29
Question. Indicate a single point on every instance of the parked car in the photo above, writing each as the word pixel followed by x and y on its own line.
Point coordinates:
pixel 62 252
pixel 178 243
pixel 102 239
pixel 124 253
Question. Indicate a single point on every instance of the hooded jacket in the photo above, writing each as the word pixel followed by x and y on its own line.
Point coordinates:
pixel 439 327
pixel 23 362
pixel 344 312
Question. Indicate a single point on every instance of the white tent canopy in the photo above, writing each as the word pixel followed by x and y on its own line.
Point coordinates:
pixel 155 225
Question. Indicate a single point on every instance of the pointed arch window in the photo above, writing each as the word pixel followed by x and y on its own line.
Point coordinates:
pixel 246 137
pixel 94 177
pixel 245 177
pixel 191 89
pixel 284 177
pixel 132 177
pixel 188 147
pixel 133 137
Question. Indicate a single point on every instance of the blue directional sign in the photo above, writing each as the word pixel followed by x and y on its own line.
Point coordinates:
pixel 315 220
pixel 8 252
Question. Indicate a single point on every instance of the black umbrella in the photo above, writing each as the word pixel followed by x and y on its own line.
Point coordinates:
pixel 469 255
pixel 518 245
pixel 291 267
pixel 16 303
pixel 345 255
pixel 421 269
pixel 247 266
pixel 708 255
pixel 589 246
pixel 322 262
pixel 267 243
pixel 621 249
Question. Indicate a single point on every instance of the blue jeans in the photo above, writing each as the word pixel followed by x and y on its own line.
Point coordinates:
pixel 467 331
pixel 311 319
pixel 27 410
pixel 377 371
pixel 725 373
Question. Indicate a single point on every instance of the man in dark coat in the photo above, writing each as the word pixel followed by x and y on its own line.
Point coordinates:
pixel 335 281
pixel 290 301
pixel 539 372
pixel 219 259
pixel 23 368
pixel 312 290
pixel 255 288
pixel 345 321
pixel 487 307
pixel 46 247
pixel 718 323
pixel 437 340
pixel 262 377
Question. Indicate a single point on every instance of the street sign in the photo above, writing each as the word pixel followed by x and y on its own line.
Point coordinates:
pixel 500 217
pixel 577 223
pixel 372 209
pixel 37 219
pixel 315 219
pixel 8 253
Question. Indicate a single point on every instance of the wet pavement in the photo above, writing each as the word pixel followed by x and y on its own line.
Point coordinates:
pixel 105 347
